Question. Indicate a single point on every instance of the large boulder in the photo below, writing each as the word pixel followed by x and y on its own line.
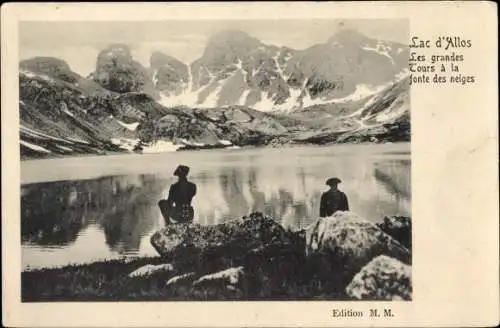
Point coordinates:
pixel 340 245
pixel 233 240
pixel 384 278
pixel 271 255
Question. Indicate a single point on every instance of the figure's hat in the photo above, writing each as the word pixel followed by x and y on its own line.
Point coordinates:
pixel 181 170
pixel 333 181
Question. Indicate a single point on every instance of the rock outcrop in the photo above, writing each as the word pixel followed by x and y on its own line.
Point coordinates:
pixel 170 76
pixel 256 257
pixel 340 245
pixel 117 71
pixel 384 278
pixel 252 258
pixel 399 228
pixel 223 245
pixel 257 248
pixel 52 67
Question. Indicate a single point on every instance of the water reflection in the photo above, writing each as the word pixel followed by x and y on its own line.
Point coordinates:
pixel 87 220
pixel 121 208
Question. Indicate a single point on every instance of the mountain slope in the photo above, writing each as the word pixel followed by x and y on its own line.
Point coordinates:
pixel 240 92
pixel 237 69
pixel 63 118
pixel 382 117
pixel 51 112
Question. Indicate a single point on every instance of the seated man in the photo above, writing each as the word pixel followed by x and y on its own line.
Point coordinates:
pixel 177 206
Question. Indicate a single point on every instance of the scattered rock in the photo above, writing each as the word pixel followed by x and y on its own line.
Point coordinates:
pixel 231 276
pixel 337 247
pixel 186 278
pixel 150 269
pixel 384 278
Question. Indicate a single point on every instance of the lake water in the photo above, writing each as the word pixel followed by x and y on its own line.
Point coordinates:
pixel 84 209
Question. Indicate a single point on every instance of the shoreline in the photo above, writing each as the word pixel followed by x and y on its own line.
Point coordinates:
pixel 292 276
pixel 240 148
pixel 91 167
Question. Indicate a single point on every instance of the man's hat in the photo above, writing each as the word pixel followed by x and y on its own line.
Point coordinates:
pixel 333 181
pixel 181 170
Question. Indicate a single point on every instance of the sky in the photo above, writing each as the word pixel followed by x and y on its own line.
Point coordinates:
pixel 79 43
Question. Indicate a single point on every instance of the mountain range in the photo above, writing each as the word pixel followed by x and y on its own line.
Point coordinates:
pixel 239 92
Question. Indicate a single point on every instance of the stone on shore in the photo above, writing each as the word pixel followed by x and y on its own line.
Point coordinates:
pixel 212 248
pixel 337 247
pixel 272 256
pixel 384 278
pixel 150 269
pixel 322 259
pixel 231 276
pixel 185 278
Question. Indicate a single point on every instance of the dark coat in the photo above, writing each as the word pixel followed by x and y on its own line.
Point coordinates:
pixel 178 204
pixel 181 193
pixel 333 201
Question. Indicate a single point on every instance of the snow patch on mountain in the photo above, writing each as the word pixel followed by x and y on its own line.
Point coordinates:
pixel 155 77
pixel 186 98
pixel 64 148
pixel 291 102
pixel 78 140
pixel 126 143
pixel 239 65
pixel 190 79
pixel 36 75
pixel 265 104
pixel 160 146
pixel 243 97
pixel 34 147
pixel 392 112
pixel 381 49
pixel 68 112
pixel 36 134
pixel 362 91
pixel 211 99
pixel 129 126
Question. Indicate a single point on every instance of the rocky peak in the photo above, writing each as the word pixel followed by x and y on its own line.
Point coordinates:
pixel 347 37
pixel 53 67
pixel 228 46
pixel 117 71
pixel 114 55
pixel 232 38
pixel 168 74
pixel 159 59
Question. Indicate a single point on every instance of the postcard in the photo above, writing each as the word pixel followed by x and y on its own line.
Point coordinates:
pixel 250 164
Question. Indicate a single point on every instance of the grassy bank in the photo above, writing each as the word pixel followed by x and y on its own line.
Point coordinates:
pixel 109 281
